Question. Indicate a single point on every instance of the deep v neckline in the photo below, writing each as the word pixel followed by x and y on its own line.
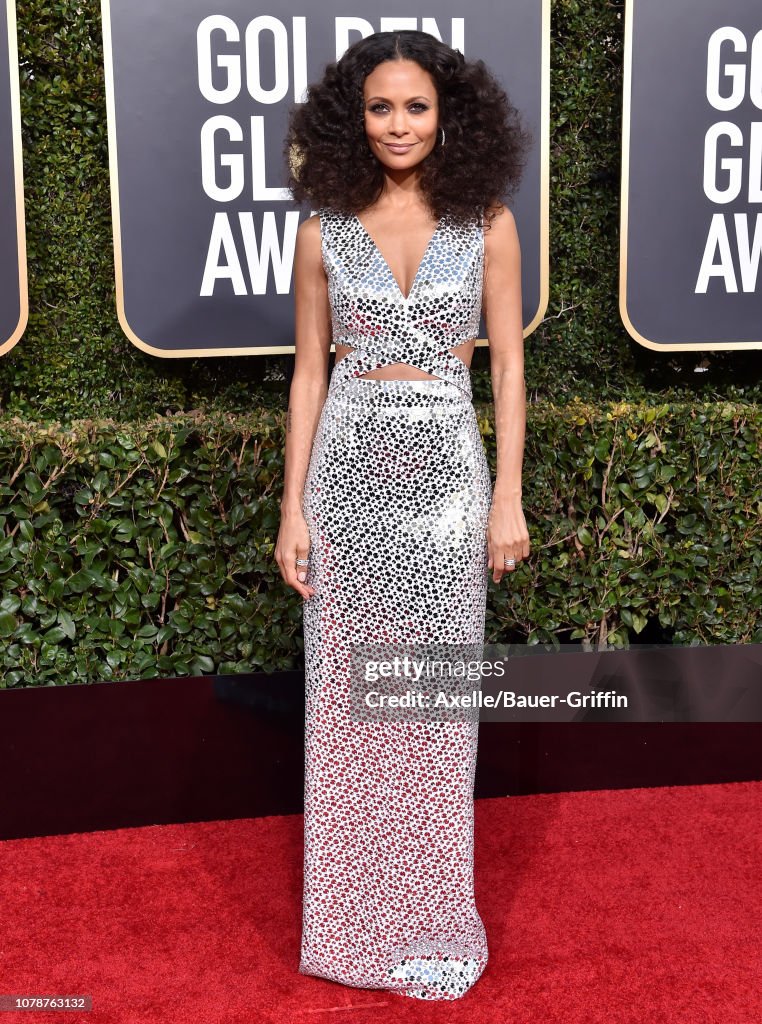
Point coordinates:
pixel 385 262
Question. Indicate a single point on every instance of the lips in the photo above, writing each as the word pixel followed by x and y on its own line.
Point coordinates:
pixel 399 148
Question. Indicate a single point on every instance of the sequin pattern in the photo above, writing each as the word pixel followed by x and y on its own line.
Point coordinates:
pixel 396 498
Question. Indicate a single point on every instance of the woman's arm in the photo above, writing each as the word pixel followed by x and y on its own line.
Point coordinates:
pixel 307 394
pixel 508 535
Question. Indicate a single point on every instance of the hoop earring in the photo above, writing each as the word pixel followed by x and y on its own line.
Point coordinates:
pixel 443 134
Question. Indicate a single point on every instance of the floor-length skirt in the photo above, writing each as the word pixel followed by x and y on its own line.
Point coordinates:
pixel 396 498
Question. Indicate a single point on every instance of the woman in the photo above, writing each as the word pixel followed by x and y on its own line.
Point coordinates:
pixel 389 524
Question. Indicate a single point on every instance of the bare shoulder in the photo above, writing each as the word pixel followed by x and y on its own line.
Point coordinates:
pixel 501 239
pixel 308 233
pixel 309 241
pixel 502 226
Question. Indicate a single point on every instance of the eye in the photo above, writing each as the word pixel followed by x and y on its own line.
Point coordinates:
pixel 418 107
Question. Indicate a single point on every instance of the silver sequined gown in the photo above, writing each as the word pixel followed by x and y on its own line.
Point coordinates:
pixel 396 498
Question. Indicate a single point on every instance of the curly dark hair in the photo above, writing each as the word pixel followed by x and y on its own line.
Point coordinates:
pixel 326 148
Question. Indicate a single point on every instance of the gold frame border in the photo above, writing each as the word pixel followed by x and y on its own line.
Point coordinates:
pixel 291 349
pixel 624 213
pixel 18 171
pixel 544 175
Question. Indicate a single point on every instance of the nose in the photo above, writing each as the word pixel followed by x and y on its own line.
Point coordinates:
pixel 399 123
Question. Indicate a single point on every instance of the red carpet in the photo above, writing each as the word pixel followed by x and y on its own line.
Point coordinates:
pixel 632 906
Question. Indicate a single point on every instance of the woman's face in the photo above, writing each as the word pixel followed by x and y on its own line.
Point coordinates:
pixel 401 113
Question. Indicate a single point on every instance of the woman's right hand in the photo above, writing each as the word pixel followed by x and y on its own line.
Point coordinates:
pixel 293 542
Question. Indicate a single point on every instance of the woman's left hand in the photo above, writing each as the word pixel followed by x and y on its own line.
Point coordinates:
pixel 507 535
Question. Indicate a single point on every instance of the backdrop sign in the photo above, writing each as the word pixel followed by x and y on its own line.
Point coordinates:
pixel 14 303
pixel 691 221
pixel 198 96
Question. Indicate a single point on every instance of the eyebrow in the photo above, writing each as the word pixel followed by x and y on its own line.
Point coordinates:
pixel 371 98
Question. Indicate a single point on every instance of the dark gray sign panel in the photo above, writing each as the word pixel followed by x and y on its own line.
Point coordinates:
pixel 198 95
pixel 14 302
pixel 691 217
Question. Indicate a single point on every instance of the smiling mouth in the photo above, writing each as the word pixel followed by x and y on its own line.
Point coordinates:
pixel 398 145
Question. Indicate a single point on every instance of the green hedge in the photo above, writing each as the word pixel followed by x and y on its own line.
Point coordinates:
pixel 140 550
pixel 75 362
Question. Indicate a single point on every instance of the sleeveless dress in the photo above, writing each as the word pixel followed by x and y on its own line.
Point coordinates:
pixel 396 498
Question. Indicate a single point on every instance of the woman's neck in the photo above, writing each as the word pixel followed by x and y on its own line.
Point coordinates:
pixel 401 188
